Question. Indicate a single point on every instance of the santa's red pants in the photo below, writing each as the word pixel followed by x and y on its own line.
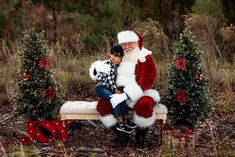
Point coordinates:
pixel 143 112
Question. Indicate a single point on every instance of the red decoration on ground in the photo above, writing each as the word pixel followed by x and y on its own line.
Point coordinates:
pixel 61 129
pixel 181 97
pixel 50 93
pixel 44 131
pixel 175 138
pixel 44 62
pixel 180 63
pixel 28 139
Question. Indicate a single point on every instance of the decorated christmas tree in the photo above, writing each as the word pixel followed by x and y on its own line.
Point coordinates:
pixel 38 95
pixel 187 97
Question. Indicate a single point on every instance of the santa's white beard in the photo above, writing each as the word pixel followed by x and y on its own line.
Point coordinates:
pixel 133 56
pixel 126 69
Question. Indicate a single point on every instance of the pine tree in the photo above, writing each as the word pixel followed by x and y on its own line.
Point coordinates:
pixel 187 97
pixel 38 96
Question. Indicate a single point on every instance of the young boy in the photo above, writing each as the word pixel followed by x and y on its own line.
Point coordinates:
pixel 106 86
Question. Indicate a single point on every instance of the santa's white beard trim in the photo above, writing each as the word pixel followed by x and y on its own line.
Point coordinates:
pixel 109 120
pixel 144 122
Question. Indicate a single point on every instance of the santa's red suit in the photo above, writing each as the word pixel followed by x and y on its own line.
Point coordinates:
pixel 136 73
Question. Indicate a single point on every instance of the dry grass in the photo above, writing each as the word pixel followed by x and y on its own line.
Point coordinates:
pixel 162 67
pixel 72 73
pixel 222 78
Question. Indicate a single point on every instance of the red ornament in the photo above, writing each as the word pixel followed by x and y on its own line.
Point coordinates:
pixel 26 76
pixel 181 97
pixel 50 93
pixel 44 62
pixel 180 63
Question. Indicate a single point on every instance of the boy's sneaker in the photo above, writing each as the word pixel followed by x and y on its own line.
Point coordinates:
pixel 124 128
pixel 130 125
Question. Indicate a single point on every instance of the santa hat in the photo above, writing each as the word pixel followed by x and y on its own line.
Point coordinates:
pixel 130 36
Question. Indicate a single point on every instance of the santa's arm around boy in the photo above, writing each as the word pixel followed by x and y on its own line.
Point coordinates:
pixel 136 73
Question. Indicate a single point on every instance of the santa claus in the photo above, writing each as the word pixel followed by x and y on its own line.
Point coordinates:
pixel 136 73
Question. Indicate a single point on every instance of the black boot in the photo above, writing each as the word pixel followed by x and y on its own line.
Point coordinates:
pixel 140 137
pixel 121 140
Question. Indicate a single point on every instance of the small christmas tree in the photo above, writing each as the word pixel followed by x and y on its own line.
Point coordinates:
pixel 187 97
pixel 38 95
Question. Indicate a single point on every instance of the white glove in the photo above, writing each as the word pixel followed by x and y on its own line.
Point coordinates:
pixel 117 99
pixel 102 67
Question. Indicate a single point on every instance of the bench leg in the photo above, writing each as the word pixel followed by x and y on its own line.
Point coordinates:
pixel 160 124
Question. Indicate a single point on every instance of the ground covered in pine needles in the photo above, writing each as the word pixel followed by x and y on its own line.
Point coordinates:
pixel 215 137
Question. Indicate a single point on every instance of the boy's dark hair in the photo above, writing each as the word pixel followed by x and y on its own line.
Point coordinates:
pixel 117 50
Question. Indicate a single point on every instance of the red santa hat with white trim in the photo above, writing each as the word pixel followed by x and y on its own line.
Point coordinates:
pixel 130 36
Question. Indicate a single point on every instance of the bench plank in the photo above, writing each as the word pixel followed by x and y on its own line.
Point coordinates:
pixel 83 110
pixel 80 117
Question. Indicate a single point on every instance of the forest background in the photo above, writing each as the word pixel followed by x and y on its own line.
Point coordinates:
pixel 82 31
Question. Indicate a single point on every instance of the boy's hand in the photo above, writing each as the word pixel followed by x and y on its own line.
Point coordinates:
pixel 117 91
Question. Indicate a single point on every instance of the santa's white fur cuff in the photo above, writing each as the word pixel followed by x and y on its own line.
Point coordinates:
pixel 109 120
pixel 92 68
pixel 144 122
pixel 153 94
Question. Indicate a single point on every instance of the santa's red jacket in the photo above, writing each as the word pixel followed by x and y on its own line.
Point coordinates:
pixel 137 79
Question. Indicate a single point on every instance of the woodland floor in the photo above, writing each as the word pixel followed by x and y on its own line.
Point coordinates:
pixel 216 137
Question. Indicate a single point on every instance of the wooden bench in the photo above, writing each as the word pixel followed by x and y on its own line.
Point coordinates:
pixel 83 110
